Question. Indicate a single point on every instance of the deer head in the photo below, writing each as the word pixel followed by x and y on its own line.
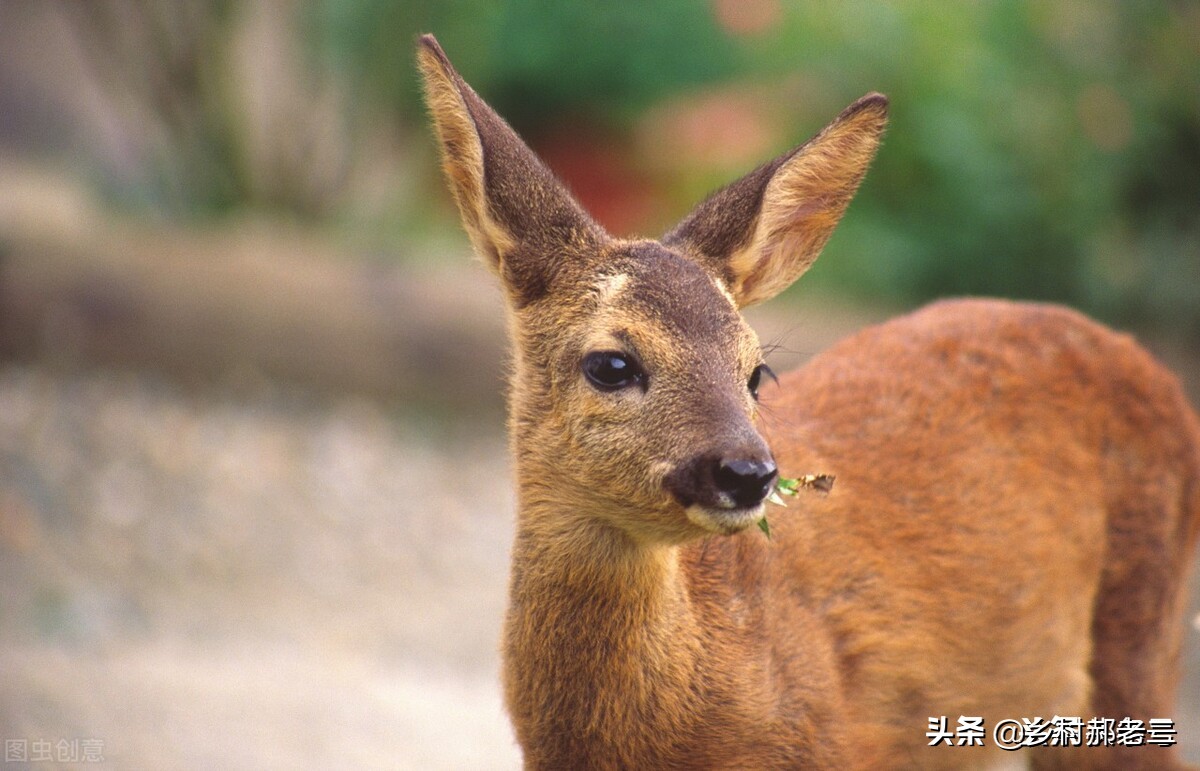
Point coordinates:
pixel 635 378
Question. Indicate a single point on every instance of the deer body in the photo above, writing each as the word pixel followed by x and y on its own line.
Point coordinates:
pixel 1017 498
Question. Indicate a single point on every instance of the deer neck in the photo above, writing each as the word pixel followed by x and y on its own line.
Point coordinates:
pixel 601 637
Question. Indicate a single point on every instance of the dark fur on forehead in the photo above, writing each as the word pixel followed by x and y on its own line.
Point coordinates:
pixel 675 291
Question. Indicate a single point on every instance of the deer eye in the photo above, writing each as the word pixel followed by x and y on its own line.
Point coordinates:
pixel 756 378
pixel 612 370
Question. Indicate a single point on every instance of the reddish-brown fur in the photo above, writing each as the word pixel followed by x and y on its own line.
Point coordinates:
pixel 1016 507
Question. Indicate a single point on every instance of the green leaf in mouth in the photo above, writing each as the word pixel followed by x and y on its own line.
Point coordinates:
pixel 821 483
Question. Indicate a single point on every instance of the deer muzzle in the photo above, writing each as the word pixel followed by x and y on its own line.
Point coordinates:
pixel 724 481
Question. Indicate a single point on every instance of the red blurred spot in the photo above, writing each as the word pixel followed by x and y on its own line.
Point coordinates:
pixel 598 169
pixel 747 17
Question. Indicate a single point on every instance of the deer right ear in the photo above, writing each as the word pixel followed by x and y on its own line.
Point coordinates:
pixel 519 217
pixel 762 232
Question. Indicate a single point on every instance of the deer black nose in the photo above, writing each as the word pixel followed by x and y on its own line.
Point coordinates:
pixel 747 482
pixel 737 480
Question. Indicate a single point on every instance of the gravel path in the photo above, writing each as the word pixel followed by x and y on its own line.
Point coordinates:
pixel 247 581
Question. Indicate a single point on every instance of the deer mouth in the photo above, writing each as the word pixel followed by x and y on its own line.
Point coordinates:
pixel 724 521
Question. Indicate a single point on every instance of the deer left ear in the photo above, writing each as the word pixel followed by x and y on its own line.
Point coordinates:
pixel 519 217
pixel 765 230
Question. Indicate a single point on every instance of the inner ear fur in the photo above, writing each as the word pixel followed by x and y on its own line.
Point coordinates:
pixel 762 232
pixel 519 217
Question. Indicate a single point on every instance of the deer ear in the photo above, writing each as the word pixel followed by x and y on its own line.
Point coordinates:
pixel 763 231
pixel 519 217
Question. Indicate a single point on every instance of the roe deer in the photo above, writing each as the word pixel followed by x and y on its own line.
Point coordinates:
pixel 1017 495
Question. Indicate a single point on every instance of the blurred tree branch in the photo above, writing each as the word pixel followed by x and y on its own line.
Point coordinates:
pixel 231 111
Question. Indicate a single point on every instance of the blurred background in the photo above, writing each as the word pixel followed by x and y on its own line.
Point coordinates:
pixel 254 493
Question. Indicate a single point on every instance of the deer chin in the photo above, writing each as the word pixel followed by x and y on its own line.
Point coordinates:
pixel 724 521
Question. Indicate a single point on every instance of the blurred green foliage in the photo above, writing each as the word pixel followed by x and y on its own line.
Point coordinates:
pixel 534 58
pixel 1036 150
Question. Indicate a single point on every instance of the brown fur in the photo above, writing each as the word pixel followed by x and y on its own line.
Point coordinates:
pixel 1017 498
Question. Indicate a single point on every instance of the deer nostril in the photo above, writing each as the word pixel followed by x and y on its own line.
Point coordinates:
pixel 747 482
